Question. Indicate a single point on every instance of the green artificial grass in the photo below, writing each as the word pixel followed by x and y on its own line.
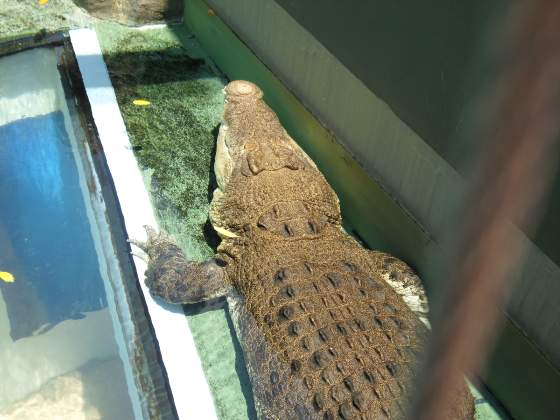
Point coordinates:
pixel 174 134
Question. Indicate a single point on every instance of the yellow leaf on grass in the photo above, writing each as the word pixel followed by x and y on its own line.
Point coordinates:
pixel 43 2
pixel 141 102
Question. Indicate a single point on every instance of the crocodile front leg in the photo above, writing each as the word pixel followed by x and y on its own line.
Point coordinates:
pixel 173 278
pixel 403 281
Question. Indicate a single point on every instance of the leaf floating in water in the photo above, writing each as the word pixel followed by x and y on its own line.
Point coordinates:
pixel 141 102
pixel 7 277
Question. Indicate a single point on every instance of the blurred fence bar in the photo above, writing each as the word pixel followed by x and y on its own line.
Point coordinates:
pixel 512 178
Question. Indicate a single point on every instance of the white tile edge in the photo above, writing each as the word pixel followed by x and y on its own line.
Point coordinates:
pixel 188 385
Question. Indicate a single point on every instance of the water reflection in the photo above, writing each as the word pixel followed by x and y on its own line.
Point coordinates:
pixel 57 345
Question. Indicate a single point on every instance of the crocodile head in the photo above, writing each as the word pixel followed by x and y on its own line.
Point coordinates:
pixel 251 139
pixel 264 178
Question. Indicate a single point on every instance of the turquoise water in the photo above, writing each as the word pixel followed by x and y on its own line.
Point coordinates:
pixel 57 296
pixel 46 226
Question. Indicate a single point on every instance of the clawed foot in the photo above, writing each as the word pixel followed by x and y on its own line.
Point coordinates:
pixel 175 279
pixel 156 243
pixel 163 256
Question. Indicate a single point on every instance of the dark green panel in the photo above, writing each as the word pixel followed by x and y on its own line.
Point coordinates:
pixel 521 378
pixel 518 374
pixel 547 235
pixel 413 55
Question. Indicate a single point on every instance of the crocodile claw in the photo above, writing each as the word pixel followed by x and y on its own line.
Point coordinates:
pixel 155 243
pixel 144 245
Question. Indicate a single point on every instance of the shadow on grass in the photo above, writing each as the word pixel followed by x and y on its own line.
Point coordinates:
pixel 174 135
pixel 210 235
pixel 131 69
pixel 241 369
pixel 240 365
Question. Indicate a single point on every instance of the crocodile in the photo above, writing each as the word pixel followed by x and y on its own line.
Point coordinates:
pixel 328 328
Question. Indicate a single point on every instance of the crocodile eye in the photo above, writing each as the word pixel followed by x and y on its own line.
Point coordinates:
pixel 254 163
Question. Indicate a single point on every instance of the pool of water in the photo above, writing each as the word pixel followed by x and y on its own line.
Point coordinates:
pixel 69 346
